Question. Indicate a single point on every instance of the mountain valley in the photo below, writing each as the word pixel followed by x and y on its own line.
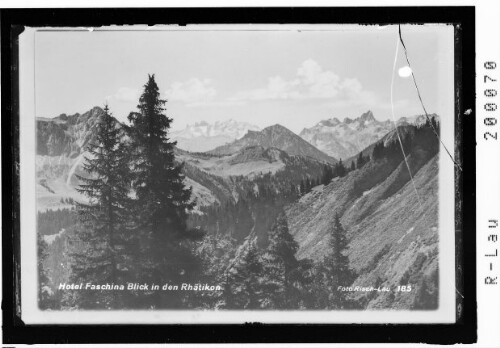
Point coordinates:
pixel 242 183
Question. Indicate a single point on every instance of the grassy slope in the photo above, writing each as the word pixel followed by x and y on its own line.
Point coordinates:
pixel 387 225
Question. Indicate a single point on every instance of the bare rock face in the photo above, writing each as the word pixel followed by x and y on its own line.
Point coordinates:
pixel 66 135
pixel 52 139
pixel 344 139
pixel 61 143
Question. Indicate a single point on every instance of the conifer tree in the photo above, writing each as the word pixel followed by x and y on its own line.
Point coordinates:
pixel 336 267
pixel 378 151
pixel 243 221
pixel 163 201
pixel 216 251
pixel 281 267
pixel 101 241
pixel 44 291
pixel 245 277
pixel 302 187
pixel 327 174
pixel 353 166
pixel 293 190
pixel 340 169
pixel 360 160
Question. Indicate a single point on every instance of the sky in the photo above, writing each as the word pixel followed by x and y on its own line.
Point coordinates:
pixel 292 75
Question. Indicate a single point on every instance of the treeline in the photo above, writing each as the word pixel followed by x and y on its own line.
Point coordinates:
pixel 272 277
pixel 260 204
pixel 261 200
pixel 67 200
pixel 423 137
pixel 255 211
pixel 329 173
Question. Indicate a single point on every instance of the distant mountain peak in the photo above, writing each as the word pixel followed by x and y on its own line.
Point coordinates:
pixel 199 123
pixel 275 136
pixel 228 122
pixel 96 109
pixel 347 138
pixel 367 116
pixel 65 134
pixel 203 135
pixel 277 128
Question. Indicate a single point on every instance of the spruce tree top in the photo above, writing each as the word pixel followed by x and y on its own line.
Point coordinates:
pixel 163 199
pixel 151 122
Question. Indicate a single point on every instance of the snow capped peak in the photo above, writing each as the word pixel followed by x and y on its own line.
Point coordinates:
pixel 229 128
pixel 228 122
pixel 203 136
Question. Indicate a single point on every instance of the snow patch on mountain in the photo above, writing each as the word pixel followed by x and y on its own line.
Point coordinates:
pixel 203 136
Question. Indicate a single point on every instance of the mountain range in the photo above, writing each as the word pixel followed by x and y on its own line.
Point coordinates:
pixel 335 138
pixel 203 136
pixel 61 152
pixel 275 136
pixel 61 141
pixel 344 139
pixel 392 225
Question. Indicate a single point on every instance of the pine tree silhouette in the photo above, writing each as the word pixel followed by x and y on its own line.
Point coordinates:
pixel 336 266
pixel 44 291
pixel 163 201
pixel 246 277
pixel 101 241
pixel 360 160
pixel 216 251
pixel 302 187
pixel 340 170
pixel 281 266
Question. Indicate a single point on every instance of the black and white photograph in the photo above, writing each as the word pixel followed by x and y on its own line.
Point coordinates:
pixel 232 173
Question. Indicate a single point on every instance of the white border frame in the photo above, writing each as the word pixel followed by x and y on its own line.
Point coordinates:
pixel 32 315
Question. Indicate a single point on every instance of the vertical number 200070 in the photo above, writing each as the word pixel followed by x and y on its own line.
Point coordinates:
pixel 490 105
